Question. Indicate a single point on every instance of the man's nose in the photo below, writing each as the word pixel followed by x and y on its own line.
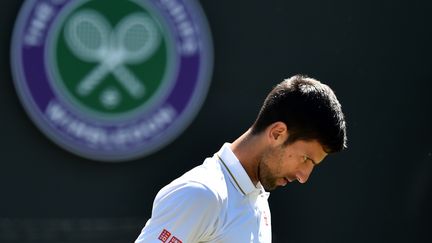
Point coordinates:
pixel 304 173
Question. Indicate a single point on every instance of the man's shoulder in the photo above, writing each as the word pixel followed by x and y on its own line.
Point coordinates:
pixel 205 180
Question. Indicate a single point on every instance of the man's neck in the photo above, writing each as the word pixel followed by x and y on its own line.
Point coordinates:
pixel 248 149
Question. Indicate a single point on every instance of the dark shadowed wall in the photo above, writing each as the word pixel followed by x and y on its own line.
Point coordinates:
pixel 376 55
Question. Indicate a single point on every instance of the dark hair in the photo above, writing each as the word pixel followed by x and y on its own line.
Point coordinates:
pixel 310 111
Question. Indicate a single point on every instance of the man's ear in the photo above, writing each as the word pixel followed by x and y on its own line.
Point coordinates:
pixel 277 133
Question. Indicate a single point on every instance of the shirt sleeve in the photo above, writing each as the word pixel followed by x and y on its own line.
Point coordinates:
pixel 182 213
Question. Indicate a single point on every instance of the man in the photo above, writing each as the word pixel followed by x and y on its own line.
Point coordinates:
pixel 224 200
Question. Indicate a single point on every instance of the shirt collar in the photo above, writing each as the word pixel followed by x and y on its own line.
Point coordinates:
pixel 237 173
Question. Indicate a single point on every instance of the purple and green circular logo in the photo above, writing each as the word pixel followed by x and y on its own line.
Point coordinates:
pixel 112 80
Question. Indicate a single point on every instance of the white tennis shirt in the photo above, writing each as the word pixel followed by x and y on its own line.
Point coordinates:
pixel 213 202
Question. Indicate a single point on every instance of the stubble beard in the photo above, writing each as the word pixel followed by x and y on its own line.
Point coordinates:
pixel 267 180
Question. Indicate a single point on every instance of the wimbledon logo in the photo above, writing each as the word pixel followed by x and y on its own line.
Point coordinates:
pixel 111 80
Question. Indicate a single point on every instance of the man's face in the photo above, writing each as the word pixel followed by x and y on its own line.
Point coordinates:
pixel 282 164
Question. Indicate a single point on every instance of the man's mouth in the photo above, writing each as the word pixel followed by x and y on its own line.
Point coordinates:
pixel 285 181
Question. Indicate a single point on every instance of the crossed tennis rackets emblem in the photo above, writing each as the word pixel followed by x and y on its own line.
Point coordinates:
pixel 91 38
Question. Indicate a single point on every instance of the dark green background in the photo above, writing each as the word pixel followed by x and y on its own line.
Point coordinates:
pixel 150 71
pixel 375 54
